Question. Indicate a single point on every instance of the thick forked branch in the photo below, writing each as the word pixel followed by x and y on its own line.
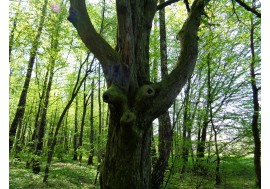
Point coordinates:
pixel 167 90
pixel 248 8
pixel 125 31
pixel 79 17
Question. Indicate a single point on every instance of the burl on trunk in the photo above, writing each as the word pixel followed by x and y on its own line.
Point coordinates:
pixel 134 101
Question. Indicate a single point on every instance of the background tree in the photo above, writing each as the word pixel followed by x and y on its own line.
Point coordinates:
pixel 21 105
pixel 256 110
pixel 92 149
pixel 75 91
pixel 164 127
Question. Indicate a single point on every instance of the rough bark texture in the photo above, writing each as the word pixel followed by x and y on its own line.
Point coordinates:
pixel 133 101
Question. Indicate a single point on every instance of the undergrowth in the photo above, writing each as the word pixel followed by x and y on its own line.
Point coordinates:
pixel 235 172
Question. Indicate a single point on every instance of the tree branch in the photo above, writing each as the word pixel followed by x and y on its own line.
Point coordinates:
pixel 79 17
pixel 165 4
pixel 167 90
pixel 187 5
pixel 248 8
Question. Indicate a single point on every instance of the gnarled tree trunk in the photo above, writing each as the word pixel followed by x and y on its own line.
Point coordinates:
pixel 133 101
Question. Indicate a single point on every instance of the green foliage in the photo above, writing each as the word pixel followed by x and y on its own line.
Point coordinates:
pixel 224 39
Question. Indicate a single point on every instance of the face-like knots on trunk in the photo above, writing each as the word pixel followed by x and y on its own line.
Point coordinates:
pixel 143 95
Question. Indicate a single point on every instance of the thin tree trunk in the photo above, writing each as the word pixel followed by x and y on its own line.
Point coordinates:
pixel 17 146
pixel 66 135
pixel 218 177
pixel 256 112
pixel 42 123
pixel 40 107
pixel 20 134
pixel 202 138
pixel 154 79
pixel 186 128
pixel 165 132
pixel 85 103
pixel 22 102
pixel 91 153
pixel 75 136
pixel 99 151
pixel 75 91
pixel 44 108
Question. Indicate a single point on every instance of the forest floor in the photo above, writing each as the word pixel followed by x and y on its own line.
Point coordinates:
pixel 236 173
pixel 63 175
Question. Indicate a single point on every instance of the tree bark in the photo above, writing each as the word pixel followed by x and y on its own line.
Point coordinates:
pixel 133 101
pixel 202 138
pixel 256 111
pixel 53 121
pixel 99 148
pixel 40 106
pixel 75 136
pixel 22 101
pixel 43 121
pixel 186 128
pixel 164 129
pixel 218 178
pixel 248 8
pixel 85 103
pixel 91 153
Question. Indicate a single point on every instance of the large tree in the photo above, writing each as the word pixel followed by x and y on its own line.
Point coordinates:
pixel 134 101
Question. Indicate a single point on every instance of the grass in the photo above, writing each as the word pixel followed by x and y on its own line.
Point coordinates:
pixel 236 173
pixel 68 175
